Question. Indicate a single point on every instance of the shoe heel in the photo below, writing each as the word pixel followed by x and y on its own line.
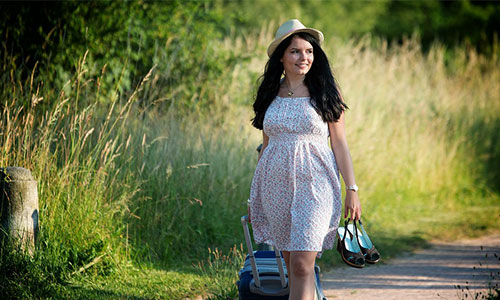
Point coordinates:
pixel 370 253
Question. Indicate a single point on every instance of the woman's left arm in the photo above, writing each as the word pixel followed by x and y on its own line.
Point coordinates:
pixel 344 162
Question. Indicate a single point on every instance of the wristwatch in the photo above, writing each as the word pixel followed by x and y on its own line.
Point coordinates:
pixel 353 187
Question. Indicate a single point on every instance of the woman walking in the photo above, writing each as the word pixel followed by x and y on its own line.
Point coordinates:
pixel 295 197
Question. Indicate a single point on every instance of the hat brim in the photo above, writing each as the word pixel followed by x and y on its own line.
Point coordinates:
pixel 318 35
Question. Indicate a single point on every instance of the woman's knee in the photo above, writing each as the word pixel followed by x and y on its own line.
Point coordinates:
pixel 302 266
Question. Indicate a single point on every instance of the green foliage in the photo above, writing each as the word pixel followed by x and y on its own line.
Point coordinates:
pixel 450 22
pixel 74 155
pixel 194 179
pixel 340 19
pixel 124 38
pixel 26 277
pixel 222 269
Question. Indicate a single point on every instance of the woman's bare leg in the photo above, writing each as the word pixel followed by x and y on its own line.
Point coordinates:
pixel 286 256
pixel 301 275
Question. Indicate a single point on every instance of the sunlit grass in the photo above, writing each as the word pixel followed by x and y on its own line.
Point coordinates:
pixel 140 282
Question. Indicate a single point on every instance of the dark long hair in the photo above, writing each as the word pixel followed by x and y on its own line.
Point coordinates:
pixel 322 86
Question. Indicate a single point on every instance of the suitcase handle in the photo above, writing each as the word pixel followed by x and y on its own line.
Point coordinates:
pixel 255 274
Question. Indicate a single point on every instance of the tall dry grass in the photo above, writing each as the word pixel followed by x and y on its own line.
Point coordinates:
pixel 417 126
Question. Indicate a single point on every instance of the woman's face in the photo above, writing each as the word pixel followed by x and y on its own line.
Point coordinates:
pixel 298 57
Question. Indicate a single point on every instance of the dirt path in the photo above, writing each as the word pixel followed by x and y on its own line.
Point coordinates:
pixel 427 274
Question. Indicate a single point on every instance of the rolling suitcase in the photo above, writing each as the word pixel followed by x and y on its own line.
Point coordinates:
pixel 264 274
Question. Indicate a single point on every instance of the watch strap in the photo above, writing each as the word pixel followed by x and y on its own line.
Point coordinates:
pixel 353 187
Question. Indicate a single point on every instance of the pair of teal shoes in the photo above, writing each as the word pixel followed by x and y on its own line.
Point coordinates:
pixel 355 245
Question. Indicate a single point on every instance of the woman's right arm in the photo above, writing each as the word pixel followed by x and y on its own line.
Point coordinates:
pixel 265 141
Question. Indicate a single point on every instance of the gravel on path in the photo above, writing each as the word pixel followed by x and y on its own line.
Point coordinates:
pixel 431 273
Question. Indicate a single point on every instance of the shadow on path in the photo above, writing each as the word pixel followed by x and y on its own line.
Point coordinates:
pixel 427 274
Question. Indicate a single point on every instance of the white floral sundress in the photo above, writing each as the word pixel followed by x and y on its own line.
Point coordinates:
pixel 295 198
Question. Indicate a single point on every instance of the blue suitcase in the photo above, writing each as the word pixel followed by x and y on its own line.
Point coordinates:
pixel 264 275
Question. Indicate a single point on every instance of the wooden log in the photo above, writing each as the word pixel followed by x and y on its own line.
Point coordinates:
pixel 18 208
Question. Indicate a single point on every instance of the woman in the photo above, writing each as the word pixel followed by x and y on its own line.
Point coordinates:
pixel 295 197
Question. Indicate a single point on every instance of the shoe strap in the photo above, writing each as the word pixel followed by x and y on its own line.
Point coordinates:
pixel 363 231
pixel 356 230
pixel 362 228
pixel 346 222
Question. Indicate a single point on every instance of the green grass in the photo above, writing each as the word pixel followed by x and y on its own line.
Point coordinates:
pixel 139 283
pixel 150 190
pixel 212 278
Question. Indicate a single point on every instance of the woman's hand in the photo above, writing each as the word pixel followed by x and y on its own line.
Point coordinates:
pixel 352 205
pixel 248 209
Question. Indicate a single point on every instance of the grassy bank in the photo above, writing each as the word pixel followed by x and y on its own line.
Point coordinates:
pixel 145 195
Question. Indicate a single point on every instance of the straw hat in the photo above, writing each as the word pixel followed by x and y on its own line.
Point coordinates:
pixel 290 27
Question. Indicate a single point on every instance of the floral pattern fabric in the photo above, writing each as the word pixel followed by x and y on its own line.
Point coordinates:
pixel 295 198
